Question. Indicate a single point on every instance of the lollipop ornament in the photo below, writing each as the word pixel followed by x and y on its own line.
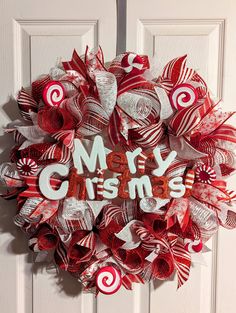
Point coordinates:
pixel 53 94
pixel 108 280
pixel 183 96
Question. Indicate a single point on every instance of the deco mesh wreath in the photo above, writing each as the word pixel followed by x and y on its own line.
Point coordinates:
pixel 119 175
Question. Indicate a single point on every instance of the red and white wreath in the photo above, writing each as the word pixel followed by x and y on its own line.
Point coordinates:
pixel 119 176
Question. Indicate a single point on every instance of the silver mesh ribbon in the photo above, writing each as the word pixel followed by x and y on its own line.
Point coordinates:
pixel 107 90
pixel 204 217
pixel 135 105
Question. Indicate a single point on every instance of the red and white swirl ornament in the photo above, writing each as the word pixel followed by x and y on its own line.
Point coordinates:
pixel 132 63
pixel 205 174
pixel 183 96
pixel 193 246
pixel 108 280
pixel 53 93
pixel 27 166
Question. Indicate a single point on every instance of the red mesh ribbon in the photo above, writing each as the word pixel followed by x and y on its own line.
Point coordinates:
pixel 45 239
pixel 38 86
pixel 176 72
pixel 154 223
pixel 163 266
pixel 82 246
pixel 33 152
pixel 129 279
pixel 43 153
pixel 178 210
pixel 26 104
pixel 33 190
pixel 133 259
pixel 54 119
pixel 107 235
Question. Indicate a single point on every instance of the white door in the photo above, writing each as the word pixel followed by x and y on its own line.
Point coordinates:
pixel 205 30
pixel 32 35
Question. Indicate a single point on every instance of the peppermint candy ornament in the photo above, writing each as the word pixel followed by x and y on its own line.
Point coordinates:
pixel 108 280
pixel 205 174
pixel 132 63
pixel 193 246
pixel 183 96
pixel 27 166
pixel 53 94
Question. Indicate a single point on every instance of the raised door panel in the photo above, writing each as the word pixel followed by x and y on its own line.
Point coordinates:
pixel 165 30
pixel 33 37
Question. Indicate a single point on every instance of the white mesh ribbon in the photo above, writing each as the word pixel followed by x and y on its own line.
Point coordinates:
pixel 166 108
pixel 153 205
pixel 107 90
pixel 135 105
pixel 83 211
pixel 8 169
pixel 74 209
pixel 129 236
pixel 184 149
pixel 204 217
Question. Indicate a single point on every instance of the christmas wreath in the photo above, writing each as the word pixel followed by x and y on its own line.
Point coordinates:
pixel 121 176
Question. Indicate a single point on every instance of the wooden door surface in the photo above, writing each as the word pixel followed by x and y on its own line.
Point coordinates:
pixel 33 35
pixel 205 30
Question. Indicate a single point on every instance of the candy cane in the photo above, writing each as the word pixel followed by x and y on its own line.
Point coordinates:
pixel 189 180
pixel 53 94
pixel 141 162
pixel 193 246
pixel 108 280
pixel 27 166
pixel 100 184
pixel 182 96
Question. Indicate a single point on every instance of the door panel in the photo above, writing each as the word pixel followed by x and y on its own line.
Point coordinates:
pixel 33 35
pixel 202 40
pixel 204 31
